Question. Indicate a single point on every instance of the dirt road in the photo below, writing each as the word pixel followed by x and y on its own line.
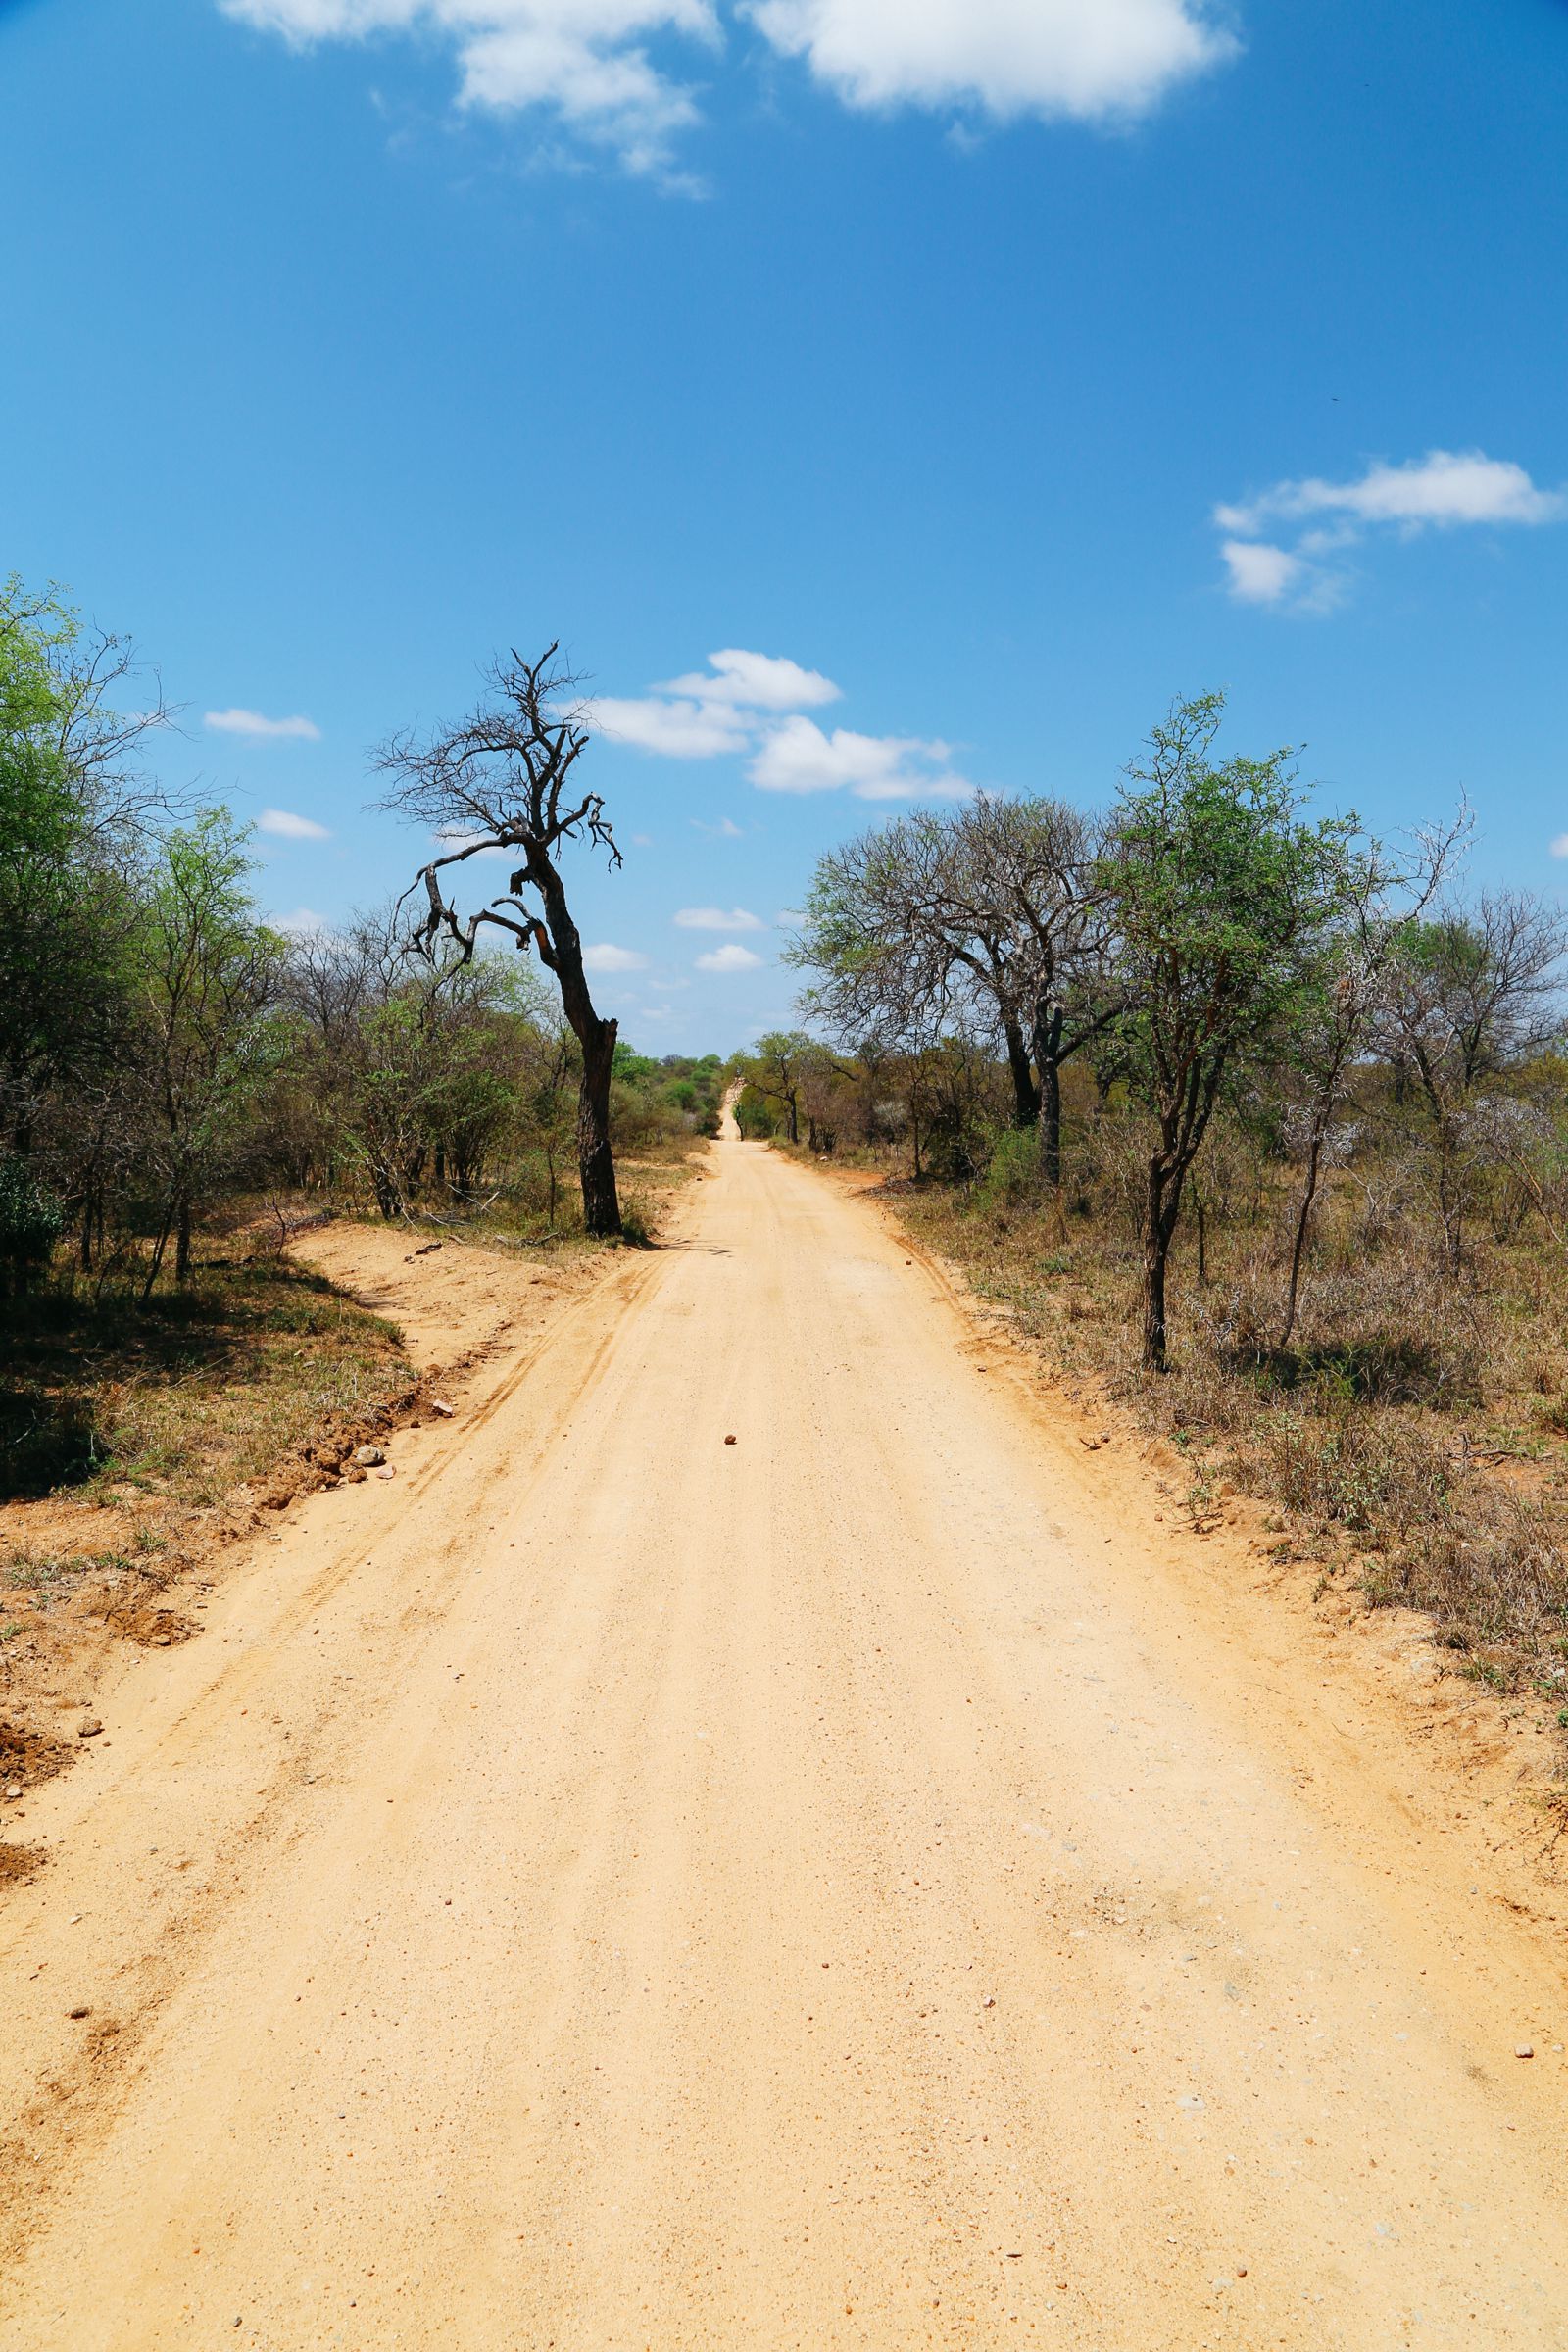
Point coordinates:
pixel 610 1887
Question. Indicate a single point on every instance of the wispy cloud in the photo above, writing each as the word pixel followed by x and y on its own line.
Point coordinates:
pixel 303 923
pixel 288 827
pixel 1445 490
pixel 726 829
pixel 718 918
pixel 607 958
pixel 731 958
pixel 253 725
pixel 582 61
pixel 587 63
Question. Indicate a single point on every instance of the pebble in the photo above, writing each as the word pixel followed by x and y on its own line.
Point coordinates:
pixel 729 1440
pixel 385 1470
pixel 81 2013
pixel 15 1789
pixel 1525 2049
pixel 90 1729
pixel 368 1457
pixel 446 1411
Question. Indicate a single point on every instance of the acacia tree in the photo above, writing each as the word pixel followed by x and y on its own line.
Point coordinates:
pixel 777 1070
pixel 1382 895
pixel 1468 992
pixel 1028 870
pixel 1224 901
pixel 993 913
pixel 207 983
pixel 73 805
pixel 502 779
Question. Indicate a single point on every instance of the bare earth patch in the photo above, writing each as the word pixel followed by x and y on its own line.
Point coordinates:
pixel 214 1422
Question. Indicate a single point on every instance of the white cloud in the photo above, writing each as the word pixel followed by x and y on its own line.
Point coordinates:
pixel 1442 491
pixel 1084 58
pixel 1559 848
pixel 758 703
pixel 290 827
pixel 587 63
pixel 607 958
pixel 1444 488
pixel 718 918
pixel 730 957
pixel 726 829
pixel 797 756
pixel 1259 573
pixel 584 61
pixel 303 923
pixel 756 682
pixel 676 730
pixel 252 723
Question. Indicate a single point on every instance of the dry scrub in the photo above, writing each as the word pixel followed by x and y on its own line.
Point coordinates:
pixel 1412 1439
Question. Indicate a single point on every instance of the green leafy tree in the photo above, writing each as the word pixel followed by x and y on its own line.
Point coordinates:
pixel 1224 901
pixel 777 1071
pixel 1469 992
pixel 70 841
pixel 207 981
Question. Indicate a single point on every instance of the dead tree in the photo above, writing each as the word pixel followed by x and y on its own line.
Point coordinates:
pixel 502 779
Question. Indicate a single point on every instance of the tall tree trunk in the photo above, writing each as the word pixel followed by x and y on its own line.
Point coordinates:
pixel 596 1161
pixel 1304 1218
pixel 1159 1226
pixel 1051 1125
pixel 1046 1044
pixel 1025 1093
pixel 795 1119
pixel 182 1241
pixel 159 1246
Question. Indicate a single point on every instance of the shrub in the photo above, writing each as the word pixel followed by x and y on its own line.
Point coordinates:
pixel 1013 1179
pixel 31 1222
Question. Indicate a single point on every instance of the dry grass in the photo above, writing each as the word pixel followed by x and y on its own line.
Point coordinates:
pixel 132 1438
pixel 1411 1437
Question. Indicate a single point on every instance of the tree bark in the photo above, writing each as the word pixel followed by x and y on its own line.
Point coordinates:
pixel 159 1246
pixel 182 1242
pixel 1159 1226
pixel 1025 1093
pixel 1046 1041
pixel 596 1161
pixel 1314 1156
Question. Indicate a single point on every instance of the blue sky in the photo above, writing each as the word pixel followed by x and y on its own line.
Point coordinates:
pixel 1005 365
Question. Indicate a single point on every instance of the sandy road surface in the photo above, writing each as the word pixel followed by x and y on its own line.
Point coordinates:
pixel 610 1888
